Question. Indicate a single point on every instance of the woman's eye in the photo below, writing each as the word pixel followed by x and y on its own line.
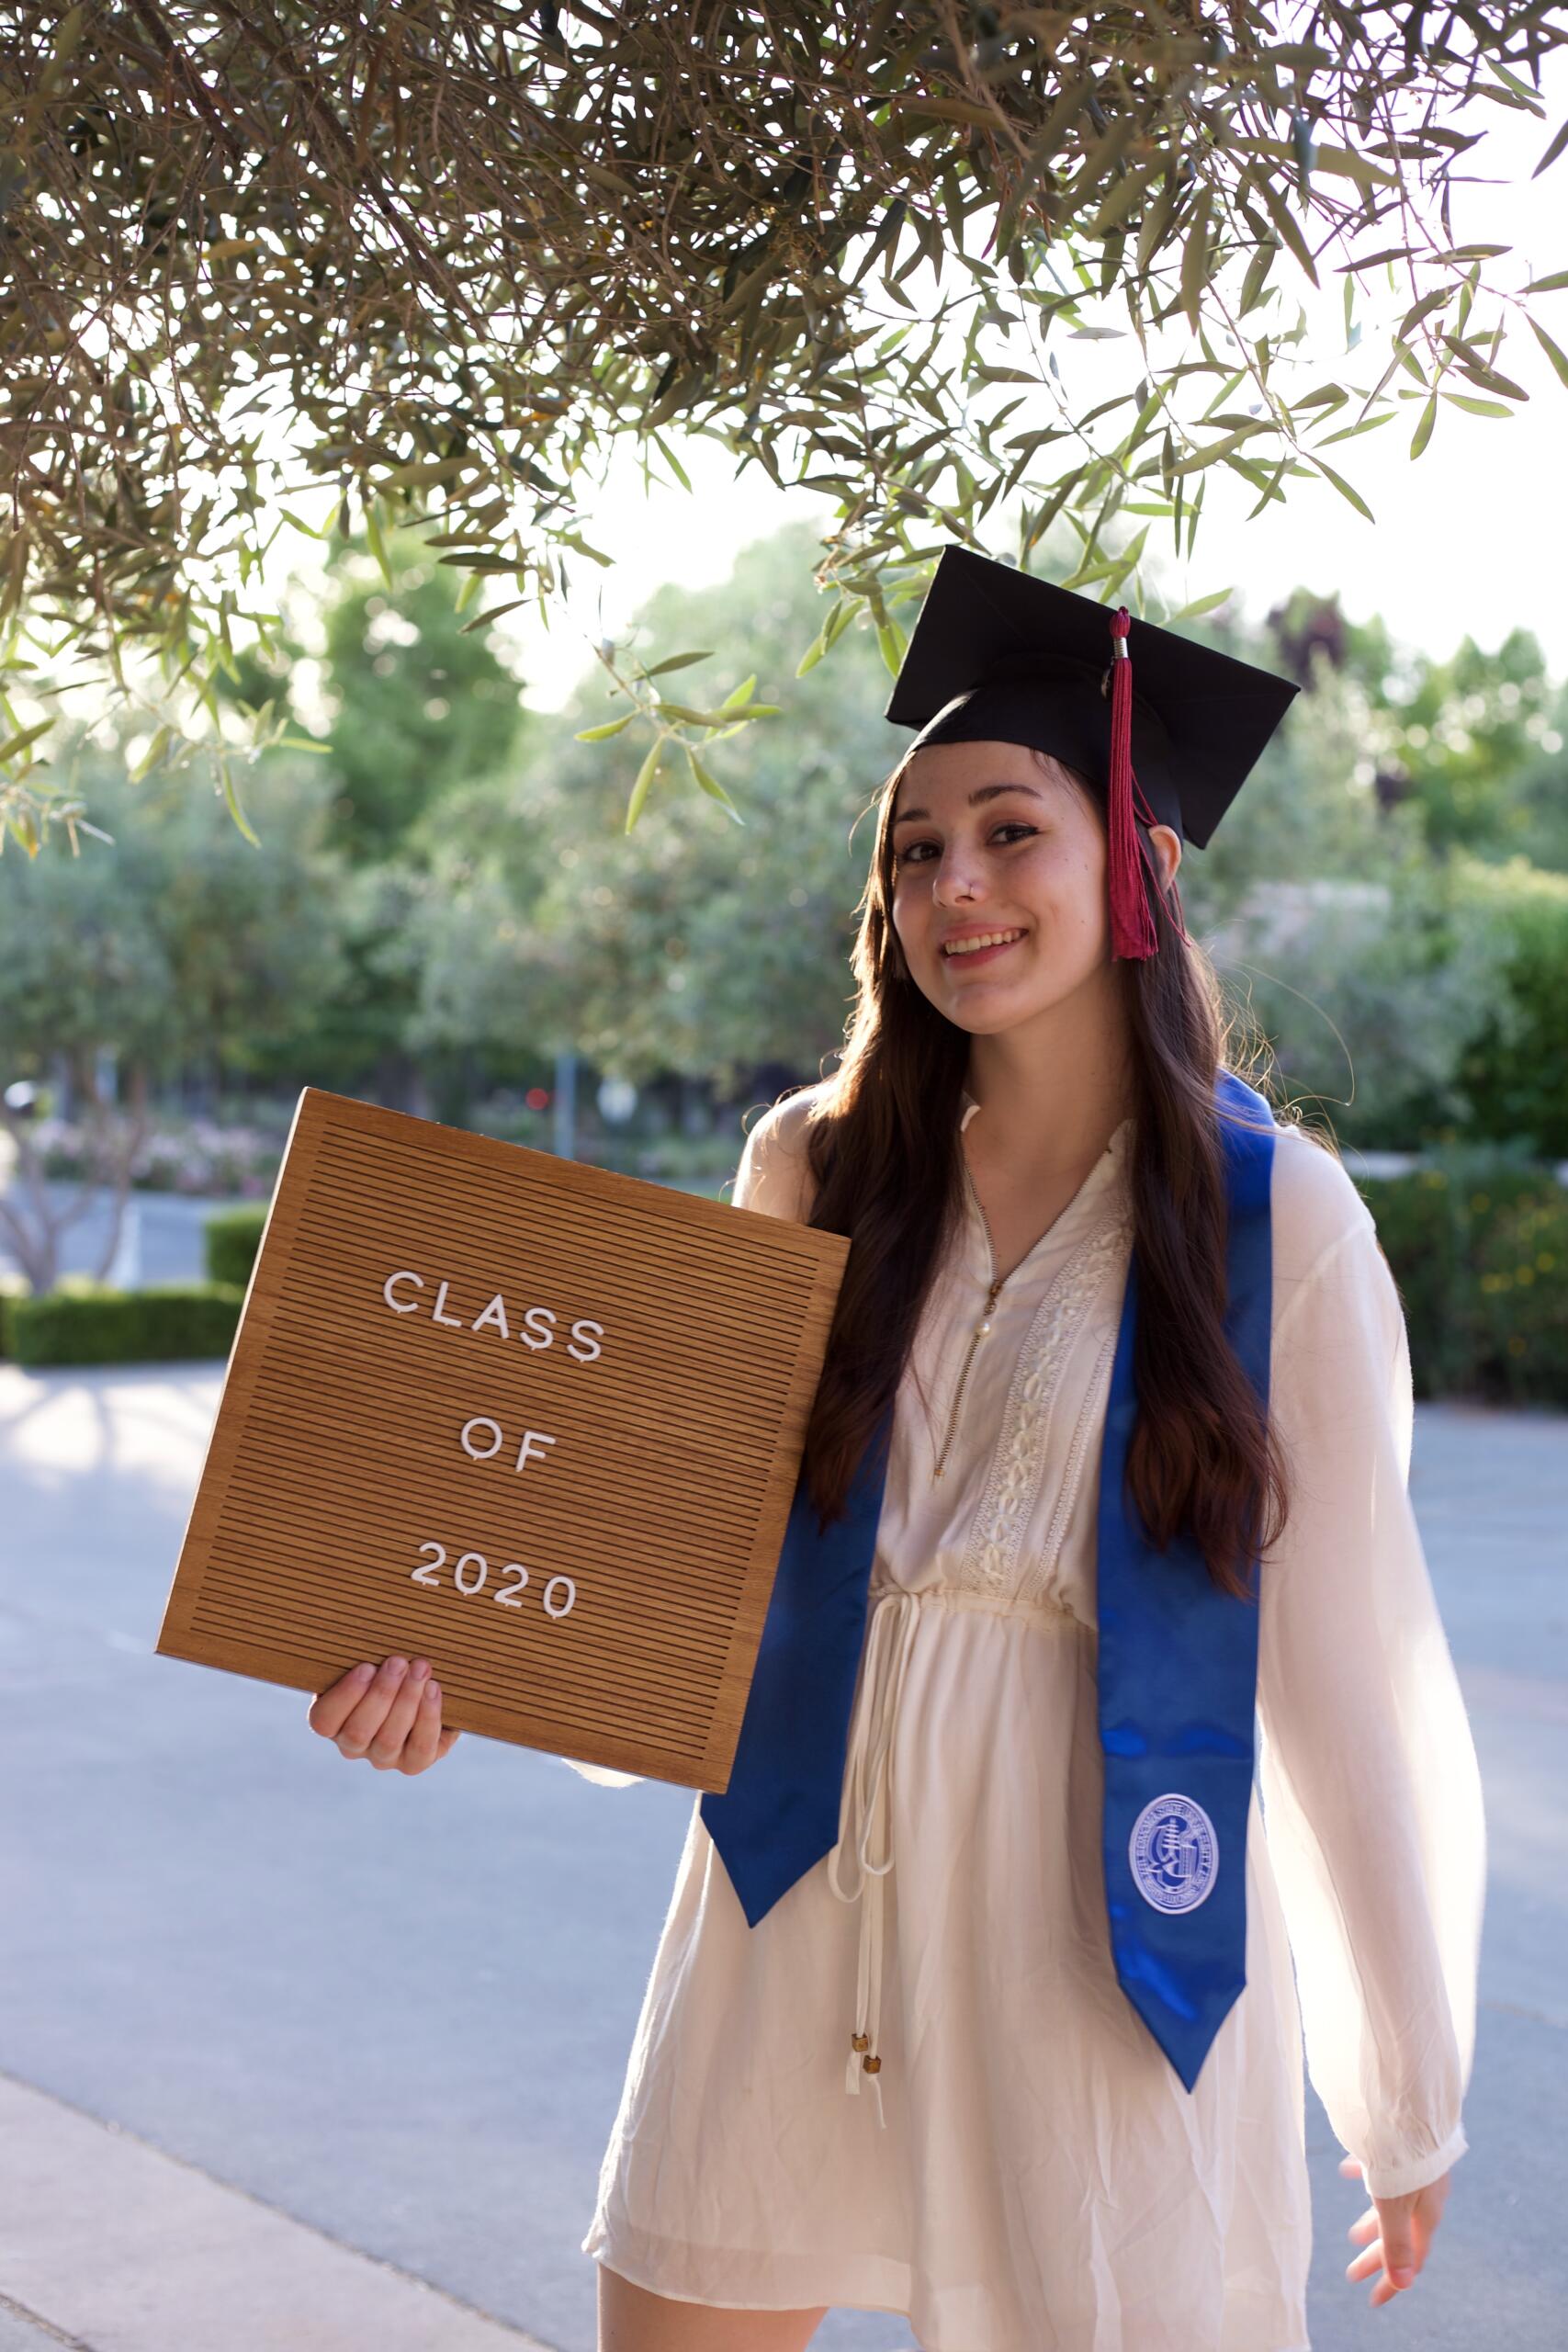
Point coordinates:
pixel 907 856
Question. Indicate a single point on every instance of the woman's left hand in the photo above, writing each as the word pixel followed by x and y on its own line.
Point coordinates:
pixel 1395 2233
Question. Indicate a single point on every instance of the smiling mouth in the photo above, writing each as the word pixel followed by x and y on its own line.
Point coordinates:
pixel 965 953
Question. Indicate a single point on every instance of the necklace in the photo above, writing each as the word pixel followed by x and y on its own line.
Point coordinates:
pixel 980 1331
pixel 984 1327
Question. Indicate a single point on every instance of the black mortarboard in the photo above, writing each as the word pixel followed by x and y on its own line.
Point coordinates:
pixel 999 655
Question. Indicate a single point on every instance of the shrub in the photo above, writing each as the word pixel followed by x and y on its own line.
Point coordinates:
pixel 1512 1070
pixel 1521 1273
pixel 1369 993
pixel 231 1238
pixel 12 1285
pixel 1423 1238
pixel 199 1156
pixel 1431 1004
pixel 89 1323
pixel 1477 1240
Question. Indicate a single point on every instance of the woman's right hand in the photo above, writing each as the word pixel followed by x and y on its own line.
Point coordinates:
pixel 1394 2233
pixel 389 1714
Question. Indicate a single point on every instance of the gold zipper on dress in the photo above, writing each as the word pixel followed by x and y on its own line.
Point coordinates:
pixel 977 1334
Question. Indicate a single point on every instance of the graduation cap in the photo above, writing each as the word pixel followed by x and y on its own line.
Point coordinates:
pixel 997 655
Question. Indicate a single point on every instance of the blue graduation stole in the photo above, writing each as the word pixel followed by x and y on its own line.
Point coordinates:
pixel 1177 1679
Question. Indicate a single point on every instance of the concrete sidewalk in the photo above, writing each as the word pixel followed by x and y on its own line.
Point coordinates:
pixel 110 2246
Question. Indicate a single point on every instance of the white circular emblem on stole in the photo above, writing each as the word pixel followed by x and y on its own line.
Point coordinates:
pixel 1174 1853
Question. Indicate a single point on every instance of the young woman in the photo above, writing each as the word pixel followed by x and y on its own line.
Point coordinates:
pixel 1013 1129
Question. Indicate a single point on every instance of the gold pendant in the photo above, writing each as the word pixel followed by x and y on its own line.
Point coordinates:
pixel 978 1333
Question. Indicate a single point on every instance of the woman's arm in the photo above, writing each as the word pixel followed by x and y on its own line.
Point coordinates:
pixel 1372 1795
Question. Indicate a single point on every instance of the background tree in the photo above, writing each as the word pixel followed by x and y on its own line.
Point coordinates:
pixel 1410 989
pixel 416 707
pixel 419 703
pixel 1407 988
pixel 696 946
pixel 434 259
pixel 1480 748
pixel 176 943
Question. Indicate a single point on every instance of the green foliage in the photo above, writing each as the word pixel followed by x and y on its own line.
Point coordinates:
pixel 178 937
pixel 1425 1236
pixel 349 1033
pixel 690 944
pixel 1470 748
pixel 1479 746
pixel 1513 1069
pixel 537 925
pixel 422 711
pixel 1521 1272
pixel 1414 988
pixel 12 1287
pixel 1413 995
pixel 1369 991
pixel 230 1239
pixel 421 703
pixel 1309 808
pixel 167 1323
pixel 1331 924
pixel 1478 1244
pixel 528 235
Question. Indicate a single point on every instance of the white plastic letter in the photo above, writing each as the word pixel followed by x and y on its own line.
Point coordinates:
pixel 527 1334
pixel 533 1441
pixel 577 1331
pixel 481 1421
pixel 436 1315
pixel 402 1306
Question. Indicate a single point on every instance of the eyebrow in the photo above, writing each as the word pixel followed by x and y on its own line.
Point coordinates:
pixel 981 792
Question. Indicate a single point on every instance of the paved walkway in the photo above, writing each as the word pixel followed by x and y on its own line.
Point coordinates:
pixel 110 2243
pixel 286 2044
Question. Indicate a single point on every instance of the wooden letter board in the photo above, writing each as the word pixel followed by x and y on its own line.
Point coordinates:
pixel 534 1421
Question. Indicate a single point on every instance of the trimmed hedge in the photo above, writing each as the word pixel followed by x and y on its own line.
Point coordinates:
pixel 12 1285
pixel 1478 1247
pixel 167 1323
pixel 230 1239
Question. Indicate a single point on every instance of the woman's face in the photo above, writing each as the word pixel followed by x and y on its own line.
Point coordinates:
pixel 990 837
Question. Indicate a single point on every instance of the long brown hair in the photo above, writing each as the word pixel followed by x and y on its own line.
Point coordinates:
pixel 886 1159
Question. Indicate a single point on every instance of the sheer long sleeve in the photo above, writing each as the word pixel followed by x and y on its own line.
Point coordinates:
pixel 1371 1790
pixel 767 1178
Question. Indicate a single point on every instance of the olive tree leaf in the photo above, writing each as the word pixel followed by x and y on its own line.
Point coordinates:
pixel 422 271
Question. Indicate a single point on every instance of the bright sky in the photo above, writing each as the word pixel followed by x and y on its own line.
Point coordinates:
pixel 1467 538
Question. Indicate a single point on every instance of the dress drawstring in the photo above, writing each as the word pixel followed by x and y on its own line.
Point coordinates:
pixel 865 1820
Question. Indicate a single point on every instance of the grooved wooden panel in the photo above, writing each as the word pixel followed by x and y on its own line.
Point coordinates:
pixel 535 1421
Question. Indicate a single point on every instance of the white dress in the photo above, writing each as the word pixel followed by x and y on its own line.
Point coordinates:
pixel 1026 2173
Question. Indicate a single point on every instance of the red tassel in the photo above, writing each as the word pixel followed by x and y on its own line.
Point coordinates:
pixel 1132 925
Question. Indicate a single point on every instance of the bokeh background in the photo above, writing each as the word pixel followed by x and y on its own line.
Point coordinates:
pixel 446 913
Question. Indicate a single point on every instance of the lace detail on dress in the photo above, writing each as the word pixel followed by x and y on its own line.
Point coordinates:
pixel 1036 1585
pixel 1013 1478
